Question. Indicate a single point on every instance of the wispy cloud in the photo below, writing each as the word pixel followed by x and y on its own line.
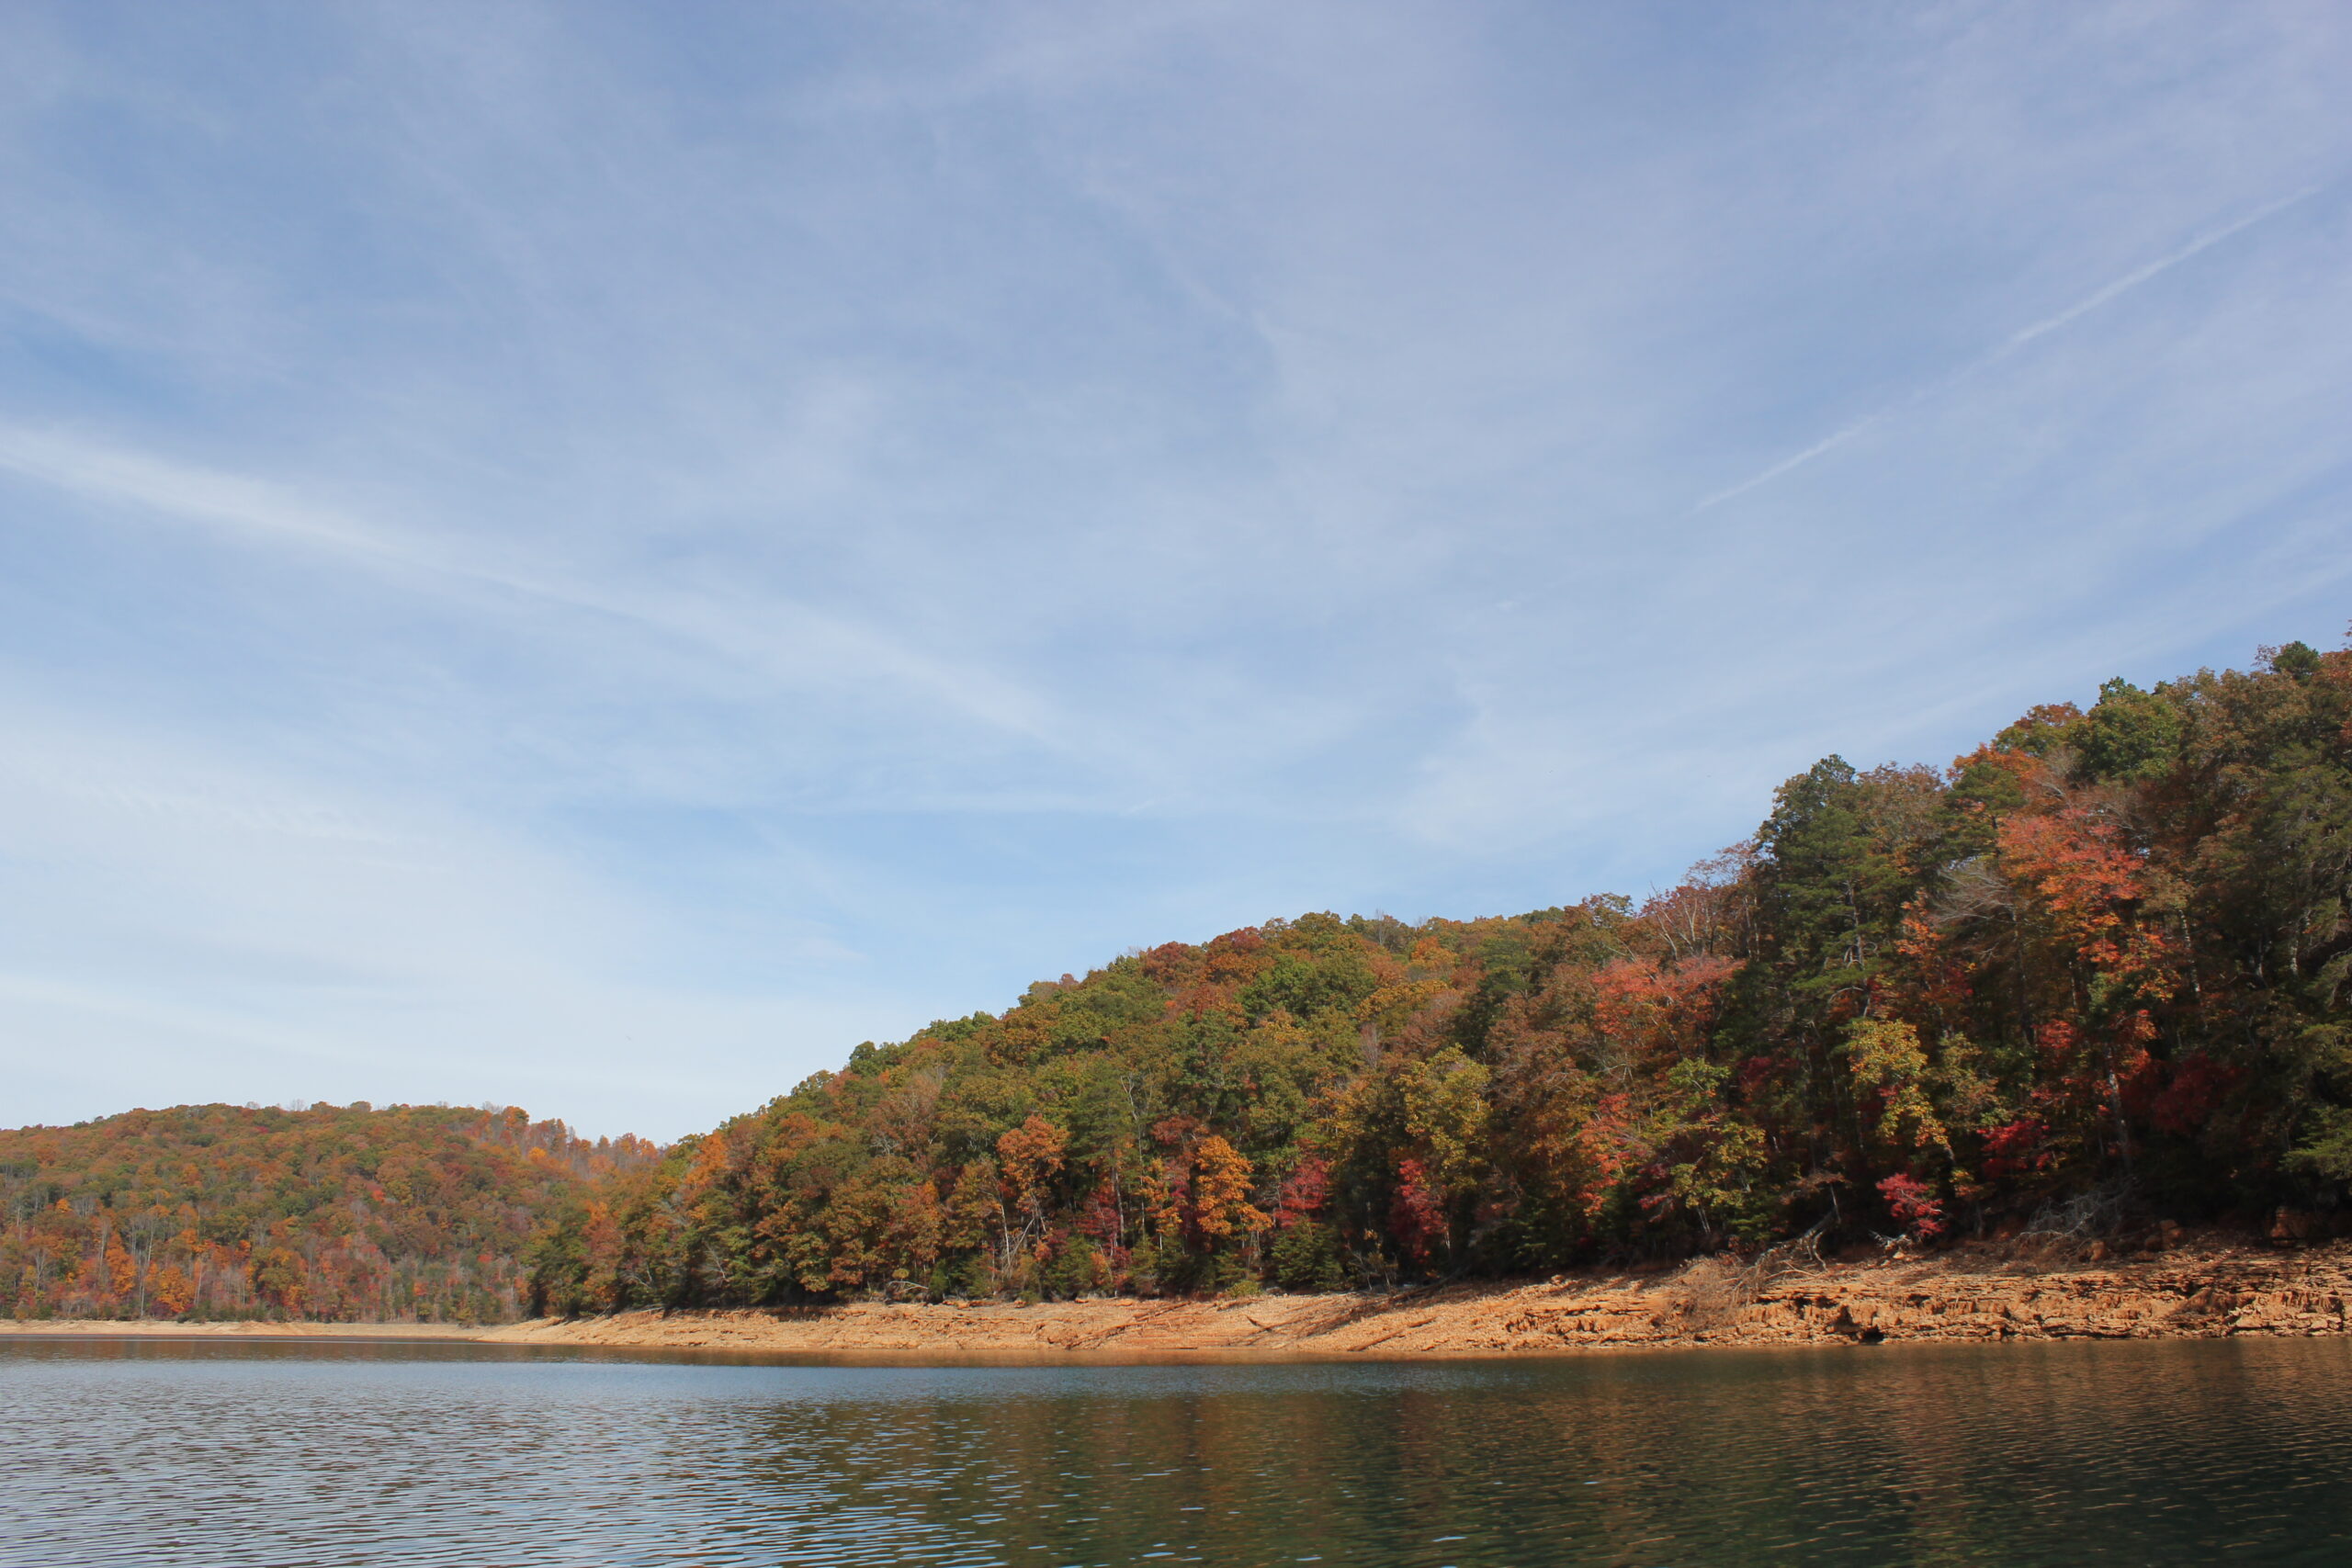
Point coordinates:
pixel 780 639
pixel 747 531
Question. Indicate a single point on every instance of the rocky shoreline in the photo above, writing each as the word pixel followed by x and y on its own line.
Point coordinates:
pixel 2212 1289
pixel 1982 1293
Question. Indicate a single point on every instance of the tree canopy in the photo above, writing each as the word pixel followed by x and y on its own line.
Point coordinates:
pixel 350 1213
pixel 2105 953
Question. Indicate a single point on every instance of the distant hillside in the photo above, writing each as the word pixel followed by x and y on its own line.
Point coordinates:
pixel 219 1211
pixel 2093 972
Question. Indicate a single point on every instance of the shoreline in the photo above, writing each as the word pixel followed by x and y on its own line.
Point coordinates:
pixel 1982 1293
pixel 173 1329
pixel 1976 1294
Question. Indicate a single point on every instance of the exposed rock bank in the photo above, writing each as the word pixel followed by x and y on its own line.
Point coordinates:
pixel 2208 1289
pixel 1973 1293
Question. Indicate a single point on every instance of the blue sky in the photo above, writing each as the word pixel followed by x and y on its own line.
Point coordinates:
pixel 595 557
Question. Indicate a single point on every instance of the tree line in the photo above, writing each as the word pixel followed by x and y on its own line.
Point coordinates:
pixel 2098 962
pixel 2099 959
pixel 220 1212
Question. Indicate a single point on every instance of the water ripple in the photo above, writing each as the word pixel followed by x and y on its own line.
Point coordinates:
pixel 257 1456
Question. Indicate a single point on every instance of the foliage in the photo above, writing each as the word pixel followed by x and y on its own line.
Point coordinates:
pixel 217 1211
pixel 2105 953
pixel 2109 947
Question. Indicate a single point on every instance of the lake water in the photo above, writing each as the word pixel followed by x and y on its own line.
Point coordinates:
pixel 316 1453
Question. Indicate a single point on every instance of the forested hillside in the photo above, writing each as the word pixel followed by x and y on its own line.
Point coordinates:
pixel 2101 960
pixel 217 1211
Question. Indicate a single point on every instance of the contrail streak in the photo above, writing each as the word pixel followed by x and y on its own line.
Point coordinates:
pixel 2013 342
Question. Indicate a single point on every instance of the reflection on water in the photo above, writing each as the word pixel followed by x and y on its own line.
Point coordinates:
pixel 226 1455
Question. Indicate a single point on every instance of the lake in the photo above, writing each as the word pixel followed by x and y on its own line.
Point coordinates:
pixel 307 1453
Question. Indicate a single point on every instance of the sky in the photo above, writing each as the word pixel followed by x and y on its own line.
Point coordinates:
pixel 595 555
